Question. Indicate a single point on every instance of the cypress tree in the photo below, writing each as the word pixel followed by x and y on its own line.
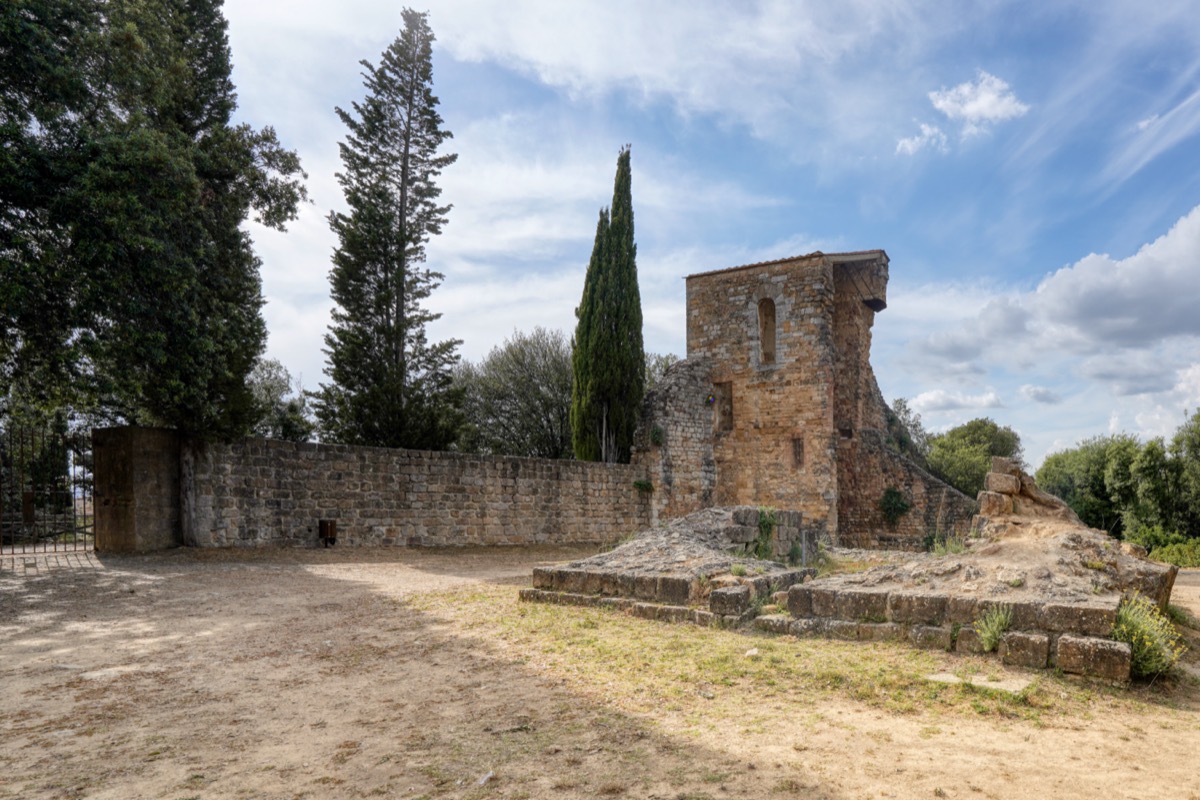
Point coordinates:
pixel 608 360
pixel 390 386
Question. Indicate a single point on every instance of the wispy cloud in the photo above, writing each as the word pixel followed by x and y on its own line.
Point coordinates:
pixel 930 136
pixel 943 400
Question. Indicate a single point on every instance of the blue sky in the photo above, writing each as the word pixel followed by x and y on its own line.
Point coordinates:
pixel 1032 170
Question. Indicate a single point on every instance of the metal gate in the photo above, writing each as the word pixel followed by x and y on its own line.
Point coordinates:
pixel 45 491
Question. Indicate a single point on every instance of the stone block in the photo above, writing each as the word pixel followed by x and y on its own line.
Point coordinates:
pixel 617 603
pixel 645 587
pixel 1100 658
pixel 673 614
pixel 967 641
pixel 1025 649
pixel 862 605
pixel 1025 616
pixel 960 610
pixel 645 610
pixel 917 608
pixel 841 629
pixel 824 602
pixel 530 595
pixel 674 590
pixel 1005 466
pixel 729 600
pixel 774 623
pixel 930 637
pixel 1002 483
pixel 809 627
pixel 741 534
pixel 702 617
pixel 543 577
pixel 799 601
pixel 879 631
pixel 1086 619
pixel 994 504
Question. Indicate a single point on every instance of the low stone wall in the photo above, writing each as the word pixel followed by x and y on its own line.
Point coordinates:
pixel 159 493
pixel 263 492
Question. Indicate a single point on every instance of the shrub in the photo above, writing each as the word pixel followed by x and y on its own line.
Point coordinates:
pixel 893 505
pixel 766 526
pixel 737 570
pixel 943 544
pixel 1153 639
pixel 1181 554
pixel 643 486
pixel 992 626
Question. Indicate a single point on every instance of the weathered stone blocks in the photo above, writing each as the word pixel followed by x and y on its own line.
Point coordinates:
pixel 1101 658
pixel 799 601
pixel 1025 649
pixel 930 637
pixel 916 608
pixel 994 504
pixel 1002 483
pixel 967 641
pixel 1096 619
pixel 729 600
pixel 862 605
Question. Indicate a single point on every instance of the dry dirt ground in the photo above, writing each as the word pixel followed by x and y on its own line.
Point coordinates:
pixel 394 673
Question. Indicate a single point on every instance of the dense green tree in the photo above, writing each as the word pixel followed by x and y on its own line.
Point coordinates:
pixel 280 403
pixel 389 386
pixel 608 361
pixel 906 433
pixel 963 455
pixel 127 278
pixel 1086 477
pixel 518 398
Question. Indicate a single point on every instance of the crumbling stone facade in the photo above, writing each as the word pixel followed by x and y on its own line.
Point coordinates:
pixel 777 404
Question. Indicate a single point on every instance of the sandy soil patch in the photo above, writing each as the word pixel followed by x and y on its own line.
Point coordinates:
pixel 394 673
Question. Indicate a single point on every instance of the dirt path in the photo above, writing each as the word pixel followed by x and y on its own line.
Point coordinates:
pixel 309 674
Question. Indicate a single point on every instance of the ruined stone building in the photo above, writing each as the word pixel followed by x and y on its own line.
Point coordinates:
pixel 776 404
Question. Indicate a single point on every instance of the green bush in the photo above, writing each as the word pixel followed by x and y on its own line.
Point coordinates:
pixel 992 626
pixel 1182 554
pixel 893 505
pixel 1153 537
pixel 1155 642
pixel 763 547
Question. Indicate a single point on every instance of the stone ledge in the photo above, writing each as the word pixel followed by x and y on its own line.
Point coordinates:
pixel 1100 658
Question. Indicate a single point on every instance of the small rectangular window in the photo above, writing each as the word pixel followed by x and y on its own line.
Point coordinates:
pixel 797 452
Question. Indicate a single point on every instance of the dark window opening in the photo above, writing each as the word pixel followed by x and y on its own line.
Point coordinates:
pixel 766 330
pixel 797 452
pixel 847 433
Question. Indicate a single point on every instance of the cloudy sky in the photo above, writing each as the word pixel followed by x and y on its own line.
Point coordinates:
pixel 1031 168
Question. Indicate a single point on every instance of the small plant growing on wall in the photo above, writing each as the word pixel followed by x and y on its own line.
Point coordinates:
pixel 643 486
pixel 657 437
pixel 894 505
pixel 766 527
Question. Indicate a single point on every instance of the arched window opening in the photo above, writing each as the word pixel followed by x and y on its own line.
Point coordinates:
pixel 766 330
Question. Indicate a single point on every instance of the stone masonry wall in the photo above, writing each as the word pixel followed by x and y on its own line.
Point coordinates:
pixel 674 441
pixel 260 491
pixel 771 429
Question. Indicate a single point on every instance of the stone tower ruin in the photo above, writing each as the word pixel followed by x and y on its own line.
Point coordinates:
pixel 776 405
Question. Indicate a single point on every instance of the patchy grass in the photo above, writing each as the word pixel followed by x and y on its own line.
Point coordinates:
pixel 645 667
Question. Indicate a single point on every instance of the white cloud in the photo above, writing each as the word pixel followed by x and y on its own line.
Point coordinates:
pixel 930 136
pixel 943 400
pixel 979 104
pixel 1040 394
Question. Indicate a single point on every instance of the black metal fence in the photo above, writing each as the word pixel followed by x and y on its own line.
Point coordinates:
pixel 45 491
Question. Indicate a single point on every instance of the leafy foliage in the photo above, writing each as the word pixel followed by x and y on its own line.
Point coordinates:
pixel 992 626
pixel 389 386
pixel 894 505
pixel 1152 637
pixel 127 279
pixel 1148 493
pixel 963 455
pixel 608 361
pixel 906 434
pixel 517 400
pixel 764 545
pixel 282 406
pixel 1181 554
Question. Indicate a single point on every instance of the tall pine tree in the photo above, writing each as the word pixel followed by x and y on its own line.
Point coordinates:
pixel 389 385
pixel 609 362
